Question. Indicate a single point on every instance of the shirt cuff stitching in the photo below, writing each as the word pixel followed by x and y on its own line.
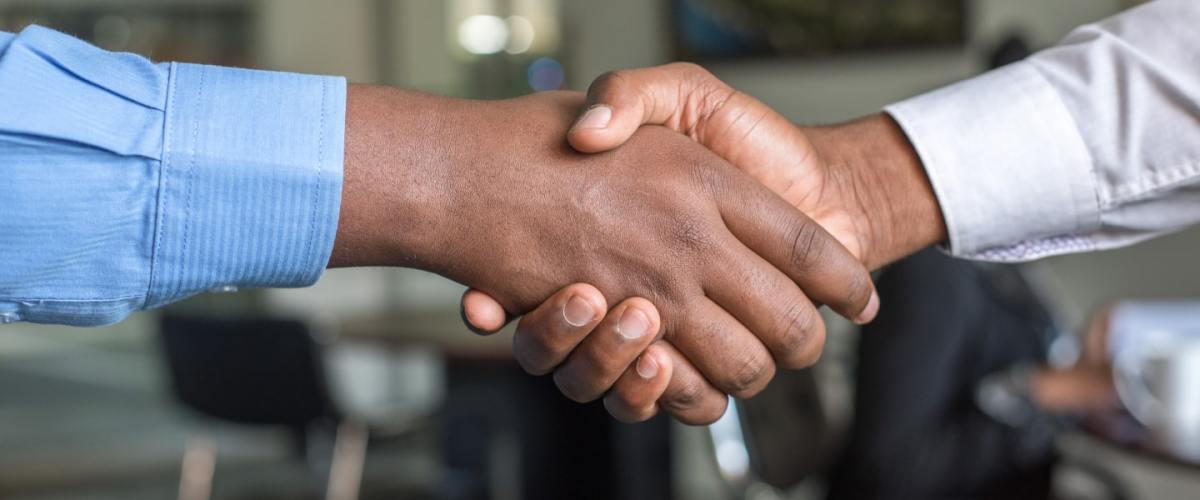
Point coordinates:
pixel 187 204
pixel 1159 181
pixel 312 226
pixel 163 183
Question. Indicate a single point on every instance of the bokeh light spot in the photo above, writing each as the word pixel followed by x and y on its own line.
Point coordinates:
pixel 546 74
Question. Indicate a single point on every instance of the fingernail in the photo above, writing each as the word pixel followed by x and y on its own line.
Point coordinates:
pixel 870 311
pixel 578 312
pixel 596 117
pixel 647 367
pixel 633 324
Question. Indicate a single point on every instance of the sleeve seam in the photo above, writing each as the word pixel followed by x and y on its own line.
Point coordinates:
pixel 163 181
pixel 187 204
pixel 310 246
pixel 1162 180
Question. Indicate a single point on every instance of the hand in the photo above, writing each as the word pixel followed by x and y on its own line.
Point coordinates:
pixel 488 194
pixel 819 170
pixel 1086 387
pixel 862 181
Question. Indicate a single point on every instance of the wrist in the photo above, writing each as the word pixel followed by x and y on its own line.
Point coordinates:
pixel 880 180
pixel 397 165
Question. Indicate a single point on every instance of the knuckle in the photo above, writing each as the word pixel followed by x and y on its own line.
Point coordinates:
pixel 624 410
pixel 601 362
pixel 705 416
pixel 533 365
pixel 709 91
pixel 533 353
pixel 689 395
pixel 691 233
pixel 573 388
pixel 618 409
pixel 858 289
pixel 806 245
pixel 750 377
pixel 535 330
pixel 622 399
pixel 708 178
pixel 794 334
pixel 609 81
pixel 803 338
pixel 602 371
pixel 692 70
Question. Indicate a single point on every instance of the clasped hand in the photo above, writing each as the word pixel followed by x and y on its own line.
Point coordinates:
pixel 749 321
pixel 716 270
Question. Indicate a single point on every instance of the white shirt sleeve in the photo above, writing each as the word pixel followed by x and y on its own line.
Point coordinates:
pixel 1089 145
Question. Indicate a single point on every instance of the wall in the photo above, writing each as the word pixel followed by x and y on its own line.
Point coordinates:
pixel 631 33
pixel 318 36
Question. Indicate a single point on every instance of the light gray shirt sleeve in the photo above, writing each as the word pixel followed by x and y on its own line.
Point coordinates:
pixel 1089 145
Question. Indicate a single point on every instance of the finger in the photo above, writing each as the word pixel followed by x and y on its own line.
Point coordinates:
pixel 689 397
pixel 731 358
pixel 609 350
pixel 770 305
pixel 621 101
pixel 1095 347
pixel 801 248
pixel 482 314
pixel 634 398
pixel 690 100
pixel 548 334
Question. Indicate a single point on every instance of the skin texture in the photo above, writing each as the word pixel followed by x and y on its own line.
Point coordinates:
pixel 862 181
pixel 489 194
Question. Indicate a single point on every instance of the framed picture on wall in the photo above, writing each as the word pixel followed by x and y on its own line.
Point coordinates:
pixel 727 29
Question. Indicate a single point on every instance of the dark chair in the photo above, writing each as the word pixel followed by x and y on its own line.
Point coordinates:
pixel 916 431
pixel 260 372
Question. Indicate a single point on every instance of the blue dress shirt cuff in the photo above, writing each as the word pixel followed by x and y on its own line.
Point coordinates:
pixel 251 180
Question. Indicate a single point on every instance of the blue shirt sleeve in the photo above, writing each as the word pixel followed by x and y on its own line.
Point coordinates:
pixel 129 185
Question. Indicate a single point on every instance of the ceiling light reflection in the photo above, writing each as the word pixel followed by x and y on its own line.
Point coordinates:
pixel 483 34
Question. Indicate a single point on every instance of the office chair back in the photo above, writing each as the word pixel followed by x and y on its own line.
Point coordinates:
pixel 250 371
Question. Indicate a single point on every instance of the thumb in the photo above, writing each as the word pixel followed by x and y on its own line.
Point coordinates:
pixel 621 101
pixel 482 314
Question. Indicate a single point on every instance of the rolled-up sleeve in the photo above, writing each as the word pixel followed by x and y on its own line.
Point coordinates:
pixel 129 184
pixel 1089 145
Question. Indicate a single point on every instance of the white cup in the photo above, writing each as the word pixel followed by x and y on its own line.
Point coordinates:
pixel 1159 382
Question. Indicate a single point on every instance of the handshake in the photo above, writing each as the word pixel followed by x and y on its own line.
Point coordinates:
pixel 696 231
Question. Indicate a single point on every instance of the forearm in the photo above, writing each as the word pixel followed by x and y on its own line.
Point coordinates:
pixel 395 148
pixel 875 168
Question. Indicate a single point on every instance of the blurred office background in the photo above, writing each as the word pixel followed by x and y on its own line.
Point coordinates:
pixel 110 412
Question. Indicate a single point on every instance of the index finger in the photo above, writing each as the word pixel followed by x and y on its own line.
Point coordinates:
pixel 799 247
